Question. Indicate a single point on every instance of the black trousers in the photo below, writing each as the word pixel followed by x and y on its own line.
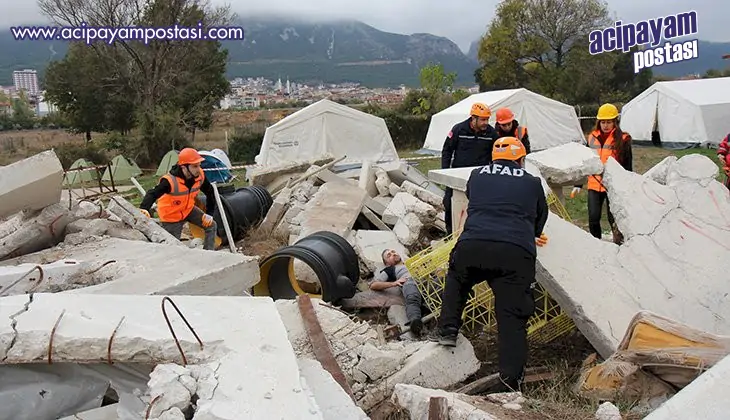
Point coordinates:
pixel 510 272
pixel 448 193
pixel 595 205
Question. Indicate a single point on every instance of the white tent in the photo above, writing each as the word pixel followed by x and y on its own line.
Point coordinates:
pixel 684 112
pixel 327 127
pixel 549 122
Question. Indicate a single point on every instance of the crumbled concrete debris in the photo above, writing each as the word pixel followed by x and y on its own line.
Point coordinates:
pixel 268 176
pixel 393 189
pixel 423 194
pixel 79 231
pixel 408 229
pixel 14 223
pixel 658 173
pixel 400 171
pixel 135 219
pixel 569 163
pixel 44 230
pixel 275 213
pixel 366 179
pixel 608 411
pixel 30 184
pixel 423 363
pixel 508 400
pixel 382 182
pixel 404 203
pixel 416 400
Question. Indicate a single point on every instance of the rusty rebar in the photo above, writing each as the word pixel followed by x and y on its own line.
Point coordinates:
pixel 53 332
pixel 149 407
pixel 169 325
pixel 37 267
pixel 111 338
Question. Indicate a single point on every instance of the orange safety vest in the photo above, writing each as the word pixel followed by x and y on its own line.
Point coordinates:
pixel 176 205
pixel 604 152
pixel 520 132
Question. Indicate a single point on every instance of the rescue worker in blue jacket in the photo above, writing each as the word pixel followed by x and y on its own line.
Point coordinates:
pixel 469 143
pixel 506 214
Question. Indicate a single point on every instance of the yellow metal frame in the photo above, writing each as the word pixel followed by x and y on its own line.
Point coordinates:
pixel 428 268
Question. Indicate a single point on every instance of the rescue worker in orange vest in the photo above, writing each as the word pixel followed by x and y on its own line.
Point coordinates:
pixel 606 140
pixel 508 126
pixel 175 195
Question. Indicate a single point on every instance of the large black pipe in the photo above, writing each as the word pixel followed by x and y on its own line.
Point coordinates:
pixel 329 255
pixel 245 208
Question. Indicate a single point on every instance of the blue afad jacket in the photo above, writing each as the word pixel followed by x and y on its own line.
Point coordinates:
pixel 506 204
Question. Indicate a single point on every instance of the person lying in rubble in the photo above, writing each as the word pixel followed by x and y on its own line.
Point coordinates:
pixel 175 196
pixel 607 140
pixel 395 274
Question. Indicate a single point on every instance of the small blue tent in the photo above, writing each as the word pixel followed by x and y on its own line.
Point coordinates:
pixel 222 174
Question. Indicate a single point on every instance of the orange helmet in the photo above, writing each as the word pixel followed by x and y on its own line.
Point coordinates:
pixel 508 148
pixel 481 110
pixel 505 116
pixel 189 156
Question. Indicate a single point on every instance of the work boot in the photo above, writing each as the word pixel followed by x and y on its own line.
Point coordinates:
pixel 434 336
pixel 416 327
pixel 448 340
pixel 504 385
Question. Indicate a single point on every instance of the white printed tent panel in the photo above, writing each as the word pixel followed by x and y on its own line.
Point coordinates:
pixel 167 162
pixel 684 112
pixel 327 127
pixel 122 169
pixel 549 123
pixel 79 177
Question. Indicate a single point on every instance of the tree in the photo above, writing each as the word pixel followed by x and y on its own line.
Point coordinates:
pixel 23 115
pixel 164 77
pixel 436 92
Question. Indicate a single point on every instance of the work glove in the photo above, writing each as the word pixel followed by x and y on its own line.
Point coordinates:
pixel 542 240
pixel 574 192
pixel 145 212
pixel 207 220
pixel 726 169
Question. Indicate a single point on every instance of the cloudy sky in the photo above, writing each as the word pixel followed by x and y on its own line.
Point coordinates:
pixel 460 20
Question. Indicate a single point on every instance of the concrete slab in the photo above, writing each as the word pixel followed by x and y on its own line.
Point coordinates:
pixel 404 203
pixel 704 398
pixel 55 273
pixel 567 164
pixel 334 208
pixel 399 171
pixel 132 217
pixel 30 184
pixel 366 179
pixel 423 194
pixel 266 175
pixel 242 336
pixel 457 178
pixel 331 398
pixel 133 267
pixel 108 412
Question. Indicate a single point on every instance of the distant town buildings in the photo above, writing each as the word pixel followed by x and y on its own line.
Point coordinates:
pixel 26 80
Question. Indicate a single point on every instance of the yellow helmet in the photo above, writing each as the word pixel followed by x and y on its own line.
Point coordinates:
pixel 607 112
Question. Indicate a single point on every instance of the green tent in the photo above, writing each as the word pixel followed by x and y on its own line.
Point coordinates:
pixel 80 177
pixel 121 169
pixel 166 163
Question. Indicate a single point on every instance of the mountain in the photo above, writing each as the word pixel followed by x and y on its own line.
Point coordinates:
pixel 273 47
pixel 474 50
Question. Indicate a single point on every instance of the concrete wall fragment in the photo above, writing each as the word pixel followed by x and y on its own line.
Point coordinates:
pixel 30 184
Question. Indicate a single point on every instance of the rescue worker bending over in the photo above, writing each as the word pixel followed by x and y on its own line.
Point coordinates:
pixel 396 274
pixel 508 126
pixel 723 154
pixel 505 218
pixel 175 195
pixel 469 143
pixel 606 140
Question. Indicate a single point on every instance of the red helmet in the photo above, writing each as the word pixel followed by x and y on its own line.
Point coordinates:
pixel 189 156
pixel 505 116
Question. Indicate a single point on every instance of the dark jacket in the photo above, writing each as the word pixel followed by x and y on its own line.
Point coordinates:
pixel 506 204
pixel 513 133
pixel 464 148
pixel 164 187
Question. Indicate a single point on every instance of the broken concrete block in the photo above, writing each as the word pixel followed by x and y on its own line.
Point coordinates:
pixel 370 244
pixel 275 213
pixel 14 223
pixel 366 179
pixel 416 400
pixel 85 228
pixel 608 411
pixel 24 278
pixel 376 363
pixel 134 267
pixel 693 168
pixel 334 208
pixel 408 229
pixel 404 203
pixel 266 175
pixel 332 400
pixel 393 189
pixel 423 194
pixel 133 218
pixel 658 173
pixel 400 171
pixel 30 184
pixel 44 230
pixel 254 344
pixel 382 182
pixel 568 164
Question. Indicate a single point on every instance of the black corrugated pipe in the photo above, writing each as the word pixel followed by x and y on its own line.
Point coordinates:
pixel 245 208
pixel 329 255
